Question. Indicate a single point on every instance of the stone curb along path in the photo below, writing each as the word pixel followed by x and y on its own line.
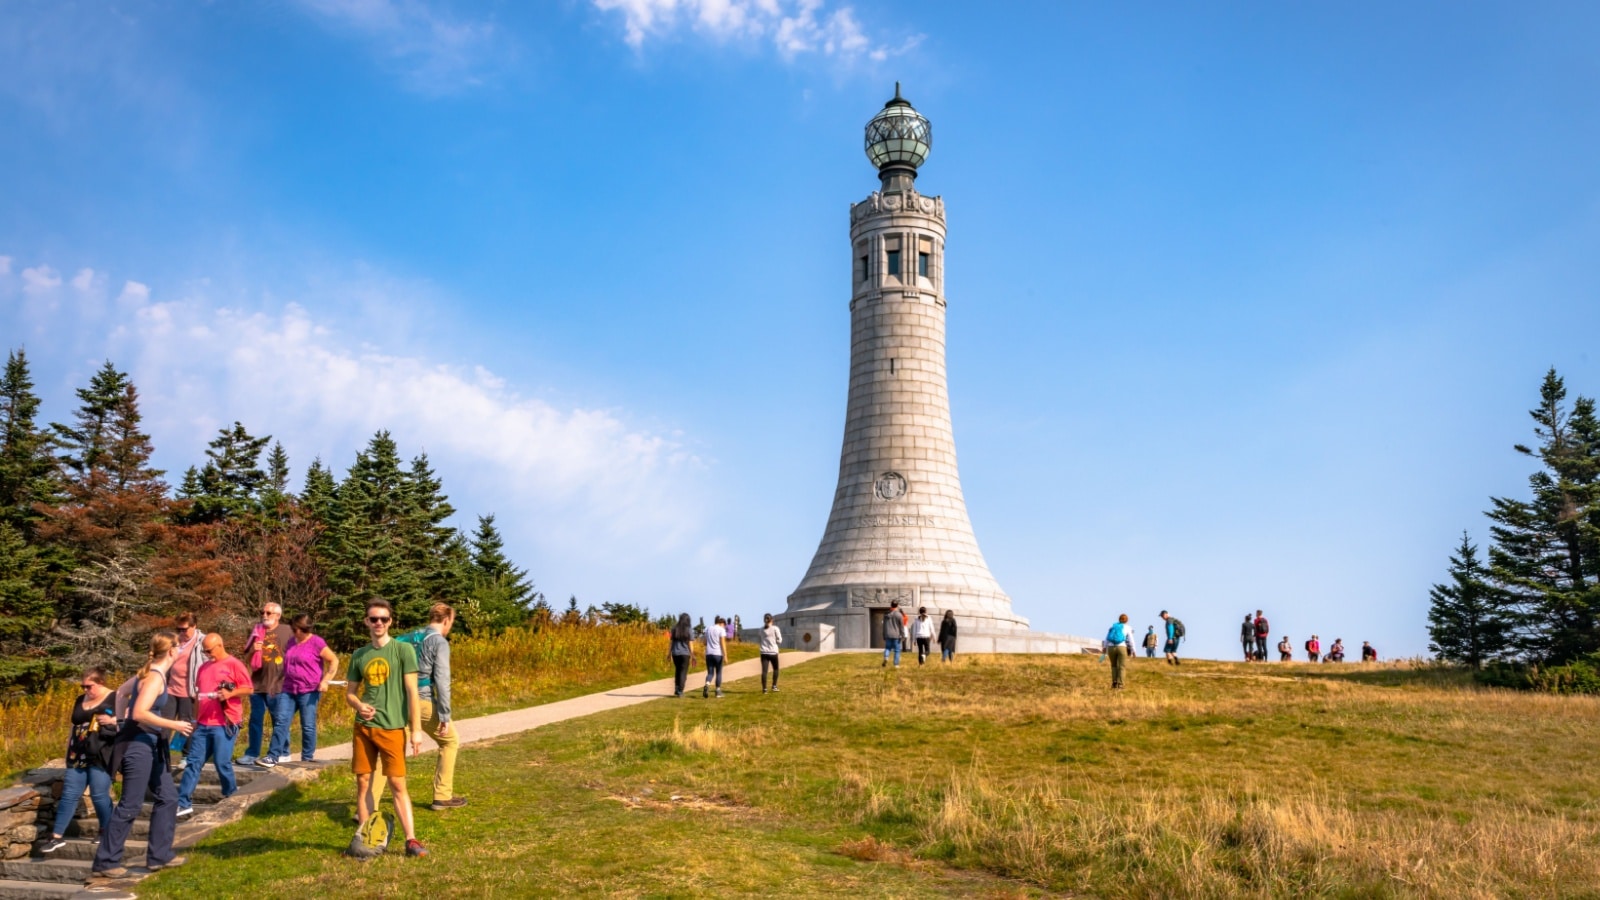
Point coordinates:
pixel 38 783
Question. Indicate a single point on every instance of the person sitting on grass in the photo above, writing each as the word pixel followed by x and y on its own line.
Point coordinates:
pixel 1369 653
pixel 381 687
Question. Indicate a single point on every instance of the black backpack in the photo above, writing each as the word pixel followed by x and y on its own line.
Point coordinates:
pixel 1177 627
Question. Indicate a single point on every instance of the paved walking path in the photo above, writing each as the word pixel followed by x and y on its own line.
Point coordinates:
pixel 483 728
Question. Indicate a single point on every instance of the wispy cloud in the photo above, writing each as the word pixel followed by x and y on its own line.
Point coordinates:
pixel 793 27
pixel 586 486
pixel 435 52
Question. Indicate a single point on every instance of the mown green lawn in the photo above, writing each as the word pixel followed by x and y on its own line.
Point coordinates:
pixel 993 776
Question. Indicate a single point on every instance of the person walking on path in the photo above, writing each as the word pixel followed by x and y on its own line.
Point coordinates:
pixel 381 687
pixel 1285 650
pixel 308 668
pixel 1247 637
pixel 93 724
pixel 771 640
pixel 433 687
pixel 222 682
pixel 1175 635
pixel 1313 649
pixel 894 631
pixel 1263 633
pixel 264 656
pixel 947 637
pixel 681 651
pixel 1117 642
pixel 181 678
pixel 140 755
pixel 714 636
pixel 1150 643
pixel 922 633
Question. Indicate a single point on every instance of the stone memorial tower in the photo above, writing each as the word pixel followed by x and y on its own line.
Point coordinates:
pixel 899 528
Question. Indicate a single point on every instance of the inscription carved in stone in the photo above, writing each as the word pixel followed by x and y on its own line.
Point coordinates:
pixel 889 521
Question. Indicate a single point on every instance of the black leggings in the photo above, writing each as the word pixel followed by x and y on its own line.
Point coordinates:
pixel 769 659
pixel 680 673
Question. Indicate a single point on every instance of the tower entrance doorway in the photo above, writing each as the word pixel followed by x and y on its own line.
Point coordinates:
pixel 875 636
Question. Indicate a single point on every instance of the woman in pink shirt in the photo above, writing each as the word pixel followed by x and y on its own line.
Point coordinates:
pixel 308 666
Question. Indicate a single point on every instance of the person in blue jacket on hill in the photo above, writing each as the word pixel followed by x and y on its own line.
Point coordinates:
pixel 1117 645
pixel 1175 633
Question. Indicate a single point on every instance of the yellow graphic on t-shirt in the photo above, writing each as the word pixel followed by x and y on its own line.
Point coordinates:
pixel 376 672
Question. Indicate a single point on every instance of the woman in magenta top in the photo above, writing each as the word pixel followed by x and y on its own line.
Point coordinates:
pixel 308 665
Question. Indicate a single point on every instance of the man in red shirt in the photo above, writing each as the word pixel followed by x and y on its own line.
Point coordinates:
pixel 221 683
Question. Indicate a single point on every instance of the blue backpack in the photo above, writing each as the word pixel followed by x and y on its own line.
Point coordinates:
pixel 415 639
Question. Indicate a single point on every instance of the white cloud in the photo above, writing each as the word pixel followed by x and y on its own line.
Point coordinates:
pixel 5 265
pixel 40 279
pixel 134 292
pixel 793 27
pixel 436 52
pixel 84 280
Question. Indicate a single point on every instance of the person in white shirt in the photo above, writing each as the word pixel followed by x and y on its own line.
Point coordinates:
pixel 922 633
pixel 771 639
pixel 713 639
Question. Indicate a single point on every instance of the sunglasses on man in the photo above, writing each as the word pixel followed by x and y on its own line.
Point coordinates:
pixel 376 619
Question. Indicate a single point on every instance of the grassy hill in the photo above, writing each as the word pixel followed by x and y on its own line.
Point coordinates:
pixel 993 776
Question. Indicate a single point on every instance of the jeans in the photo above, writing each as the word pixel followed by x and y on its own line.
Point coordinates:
pixel 282 709
pixel 306 706
pixel 98 781
pixel 680 674
pixel 182 709
pixel 1150 651
pixel 714 667
pixel 947 652
pixel 144 770
pixel 208 742
pixel 769 660
pixel 891 645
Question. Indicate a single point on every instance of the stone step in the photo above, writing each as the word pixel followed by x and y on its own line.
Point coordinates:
pixel 89 827
pixel 204 795
pixel 132 852
pixel 60 871
pixel 37 890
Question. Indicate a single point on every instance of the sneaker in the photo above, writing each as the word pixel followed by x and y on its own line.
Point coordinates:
pixel 763 690
pixel 247 760
pixel 172 863
pixel 414 848
pixel 185 812
pixel 719 692
pixel 885 663
pixel 774 689
pixel 452 803
pixel 180 765
pixel 113 872
pixel 706 692
pixel 52 845
pixel 266 762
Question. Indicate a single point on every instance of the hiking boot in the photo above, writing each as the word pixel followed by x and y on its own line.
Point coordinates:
pixel 185 812
pixel 414 848
pixel 52 845
pixel 452 803
pixel 113 872
pixel 172 863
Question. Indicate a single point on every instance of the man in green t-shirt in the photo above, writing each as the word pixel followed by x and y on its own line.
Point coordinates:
pixel 381 687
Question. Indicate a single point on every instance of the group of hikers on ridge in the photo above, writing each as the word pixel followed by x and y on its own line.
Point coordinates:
pixel 189 698
pixel 1117 647
pixel 898 627
pixel 713 641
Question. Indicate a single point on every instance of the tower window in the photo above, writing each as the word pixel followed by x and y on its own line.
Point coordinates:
pixel 894 263
pixel 863 271
pixel 922 264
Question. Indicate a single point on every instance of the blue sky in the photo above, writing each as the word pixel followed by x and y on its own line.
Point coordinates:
pixel 1247 302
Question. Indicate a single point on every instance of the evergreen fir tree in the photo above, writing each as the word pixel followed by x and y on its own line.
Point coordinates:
pixel 541 614
pixel 1546 550
pixel 25 610
pixel 27 469
pixel 276 489
pixel 86 439
pixel 232 479
pixel 434 551
pixel 367 545
pixel 500 590
pixel 1468 621
pixel 318 494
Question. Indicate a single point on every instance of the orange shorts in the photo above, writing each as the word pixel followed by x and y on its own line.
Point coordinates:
pixel 373 744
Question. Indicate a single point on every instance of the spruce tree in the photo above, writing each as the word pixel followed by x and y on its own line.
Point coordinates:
pixel 434 551
pixel 25 610
pixel 318 494
pixel 1546 551
pixel 231 481
pixel 276 489
pixel 500 590
pixel 367 545
pixel 27 469
pixel 1468 621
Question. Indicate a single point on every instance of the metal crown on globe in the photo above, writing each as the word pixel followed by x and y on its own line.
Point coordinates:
pixel 898 135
